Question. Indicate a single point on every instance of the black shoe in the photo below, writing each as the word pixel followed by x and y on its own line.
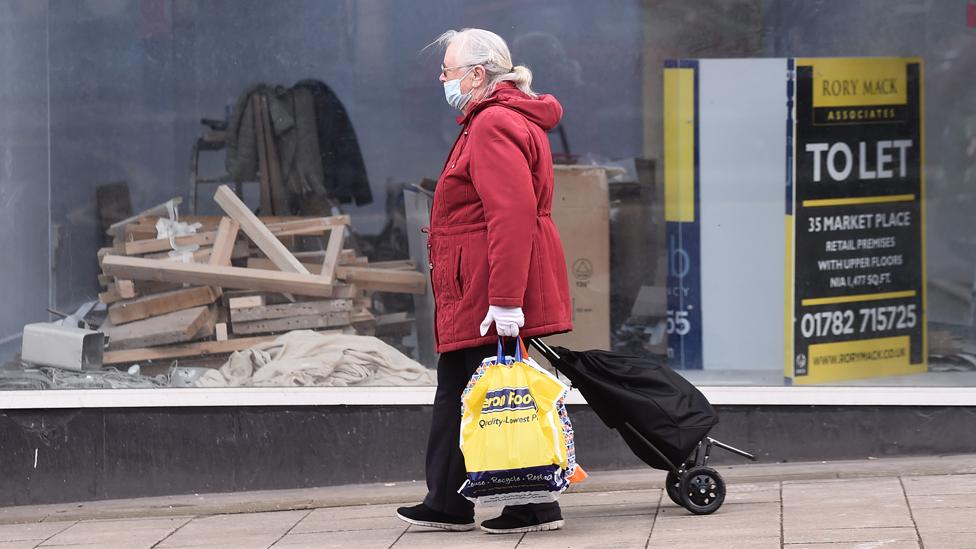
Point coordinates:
pixel 421 515
pixel 508 524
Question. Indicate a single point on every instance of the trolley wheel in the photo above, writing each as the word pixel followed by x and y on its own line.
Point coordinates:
pixel 702 490
pixel 673 487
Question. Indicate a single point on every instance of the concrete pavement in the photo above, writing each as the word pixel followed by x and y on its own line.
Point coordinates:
pixel 893 503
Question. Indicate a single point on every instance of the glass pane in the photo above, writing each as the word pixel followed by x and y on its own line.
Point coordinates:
pixel 678 188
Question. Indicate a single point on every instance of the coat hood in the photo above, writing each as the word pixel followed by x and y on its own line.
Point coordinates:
pixel 544 110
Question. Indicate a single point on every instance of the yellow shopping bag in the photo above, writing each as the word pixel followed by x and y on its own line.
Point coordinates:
pixel 512 435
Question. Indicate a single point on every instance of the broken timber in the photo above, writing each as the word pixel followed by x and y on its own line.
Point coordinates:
pixel 366 278
pixel 292 323
pixel 314 226
pixel 172 327
pixel 301 308
pixel 160 304
pixel 200 349
pixel 209 275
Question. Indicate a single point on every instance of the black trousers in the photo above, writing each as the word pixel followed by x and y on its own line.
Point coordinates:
pixel 445 462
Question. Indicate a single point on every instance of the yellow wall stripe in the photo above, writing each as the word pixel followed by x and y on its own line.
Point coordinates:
pixel 856 298
pixel 858 200
pixel 679 144
pixel 788 300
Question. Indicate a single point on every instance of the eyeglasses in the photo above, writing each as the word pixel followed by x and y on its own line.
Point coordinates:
pixel 445 69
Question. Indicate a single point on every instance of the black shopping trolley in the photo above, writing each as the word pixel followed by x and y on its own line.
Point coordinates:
pixel 661 416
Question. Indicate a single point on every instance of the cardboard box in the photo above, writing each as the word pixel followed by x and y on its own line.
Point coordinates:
pixel 581 211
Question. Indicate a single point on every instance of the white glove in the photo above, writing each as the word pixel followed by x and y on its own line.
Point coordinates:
pixel 507 320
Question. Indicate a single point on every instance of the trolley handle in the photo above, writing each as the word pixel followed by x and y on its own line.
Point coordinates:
pixel 546 350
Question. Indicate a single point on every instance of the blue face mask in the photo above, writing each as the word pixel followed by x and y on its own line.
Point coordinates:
pixel 452 92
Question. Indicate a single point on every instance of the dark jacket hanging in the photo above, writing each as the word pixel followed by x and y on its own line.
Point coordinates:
pixel 342 162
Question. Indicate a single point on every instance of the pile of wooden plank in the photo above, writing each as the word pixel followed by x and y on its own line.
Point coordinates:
pixel 236 282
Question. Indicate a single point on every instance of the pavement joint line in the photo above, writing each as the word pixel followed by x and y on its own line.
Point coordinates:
pixel 782 518
pixel 288 531
pixel 911 513
pixel 519 542
pixel 59 532
pixel 657 510
pixel 175 530
pixel 396 541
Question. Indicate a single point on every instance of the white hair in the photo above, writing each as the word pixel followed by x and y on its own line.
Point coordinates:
pixel 485 48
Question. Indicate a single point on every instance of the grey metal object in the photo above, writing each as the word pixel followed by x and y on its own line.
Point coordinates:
pixel 185 377
pixel 62 346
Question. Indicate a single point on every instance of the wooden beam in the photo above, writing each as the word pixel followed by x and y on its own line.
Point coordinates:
pixel 139 231
pixel 366 278
pixel 139 247
pixel 198 256
pixel 211 222
pixel 384 280
pixel 301 308
pixel 173 327
pixel 160 304
pixel 109 296
pixel 223 247
pixel 318 255
pixel 221 331
pixel 125 288
pixel 245 302
pixel 209 275
pixel 308 226
pixel 332 251
pixel 292 323
pixel 396 264
pixel 257 232
pixel 200 349
pixel 102 252
pixel 145 287
pixel 159 210
pixel 281 229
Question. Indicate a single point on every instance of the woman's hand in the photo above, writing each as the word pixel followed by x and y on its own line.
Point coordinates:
pixel 507 320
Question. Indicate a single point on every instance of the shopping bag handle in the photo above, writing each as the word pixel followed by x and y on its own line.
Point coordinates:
pixel 519 349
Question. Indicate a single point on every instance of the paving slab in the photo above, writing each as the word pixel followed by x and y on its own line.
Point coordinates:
pixel 595 532
pixel 840 504
pixel 849 535
pixel 324 522
pixel 425 538
pixel 760 492
pixel 733 521
pixel 635 497
pixel 130 533
pixel 958 519
pixel 32 531
pixel 940 485
pixel 729 543
pixel 946 501
pixel 370 539
pixel 245 530
pixel 858 545
pixel 17 544
pixel 948 540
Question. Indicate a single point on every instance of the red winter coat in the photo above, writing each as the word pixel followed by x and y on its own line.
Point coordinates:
pixel 492 239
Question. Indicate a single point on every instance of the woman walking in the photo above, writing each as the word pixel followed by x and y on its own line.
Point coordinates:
pixel 497 264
